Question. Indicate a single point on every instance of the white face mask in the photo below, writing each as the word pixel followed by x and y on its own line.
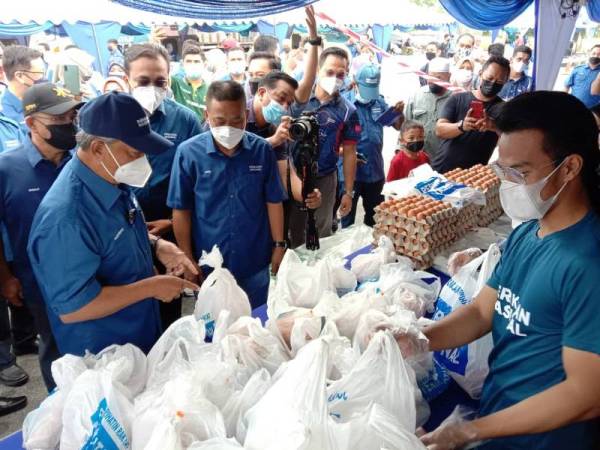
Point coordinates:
pixel 519 67
pixel 228 137
pixel 331 85
pixel 523 202
pixel 463 76
pixel 237 67
pixel 135 173
pixel 150 97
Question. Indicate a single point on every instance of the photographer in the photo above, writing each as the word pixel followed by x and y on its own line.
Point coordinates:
pixel 339 126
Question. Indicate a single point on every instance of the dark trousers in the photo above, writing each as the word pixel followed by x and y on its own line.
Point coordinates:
pixel 371 196
pixel 16 329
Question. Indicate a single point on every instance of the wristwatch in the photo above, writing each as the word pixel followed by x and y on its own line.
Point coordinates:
pixel 460 126
pixel 316 41
pixel 279 244
pixel 350 194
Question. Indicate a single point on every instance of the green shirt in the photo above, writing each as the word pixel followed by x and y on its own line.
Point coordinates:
pixel 186 95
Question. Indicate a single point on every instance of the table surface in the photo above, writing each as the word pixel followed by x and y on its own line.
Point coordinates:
pixel 441 407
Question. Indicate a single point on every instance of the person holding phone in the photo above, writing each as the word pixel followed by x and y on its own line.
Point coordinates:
pixel 466 124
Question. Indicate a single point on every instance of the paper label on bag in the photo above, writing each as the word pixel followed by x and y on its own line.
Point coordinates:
pixel 107 432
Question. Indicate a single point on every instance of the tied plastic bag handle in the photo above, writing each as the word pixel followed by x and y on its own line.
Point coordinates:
pixel 213 259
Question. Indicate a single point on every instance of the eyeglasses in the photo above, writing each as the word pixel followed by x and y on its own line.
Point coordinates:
pixel 515 175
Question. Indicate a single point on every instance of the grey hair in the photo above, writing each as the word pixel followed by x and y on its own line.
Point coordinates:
pixel 85 139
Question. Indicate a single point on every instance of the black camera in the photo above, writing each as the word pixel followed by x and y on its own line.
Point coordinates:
pixel 305 131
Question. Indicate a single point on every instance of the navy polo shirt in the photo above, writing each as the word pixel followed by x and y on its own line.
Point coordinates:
pixel 339 124
pixel 11 134
pixel 580 81
pixel 228 198
pixel 177 124
pixel 371 139
pixel 512 88
pixel 12 107
pixel 88 234
pixel 25 177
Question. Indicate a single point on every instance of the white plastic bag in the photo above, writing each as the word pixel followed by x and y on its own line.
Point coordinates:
pixel 219 292
pixel 366 267
pixel 468 365
pixel 216 444
pixel 97 413
pixel 292 415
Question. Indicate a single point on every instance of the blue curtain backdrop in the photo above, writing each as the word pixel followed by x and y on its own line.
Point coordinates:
pixel 82 34
pixel 382 35
pixel 485 14
pixel 23 29
pixel 593 8
pixel 214 9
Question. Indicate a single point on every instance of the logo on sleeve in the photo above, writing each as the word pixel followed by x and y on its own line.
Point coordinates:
pixel 509 306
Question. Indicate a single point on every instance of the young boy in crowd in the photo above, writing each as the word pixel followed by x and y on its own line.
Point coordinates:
pixel 410 155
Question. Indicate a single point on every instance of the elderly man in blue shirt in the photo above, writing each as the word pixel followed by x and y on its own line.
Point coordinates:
pixel 579 83
pixel 89 245
pixel 147 72
pixel 23 67
pixel 26 174
pixel 518 82
pixel 226 191
pixel 339 128
pixel 370 174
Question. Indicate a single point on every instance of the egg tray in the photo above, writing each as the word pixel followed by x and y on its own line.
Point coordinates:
pixel 421 259
pixel 416 241
pixel 479 177
pixel 408 227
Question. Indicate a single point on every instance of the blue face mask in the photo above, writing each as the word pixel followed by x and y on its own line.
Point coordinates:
pixel 273 112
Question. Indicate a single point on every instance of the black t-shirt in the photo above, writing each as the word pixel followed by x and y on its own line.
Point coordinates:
pixel 471 147
pixel 281 151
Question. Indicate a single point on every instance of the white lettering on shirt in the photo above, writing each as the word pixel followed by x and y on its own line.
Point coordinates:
pixel 255 168
pixel 509 307
pixel 119 233
pixel 170 136
pixel 35 189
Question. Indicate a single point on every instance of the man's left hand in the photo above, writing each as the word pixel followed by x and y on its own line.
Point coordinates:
pixel 175 261
pixel 159 227
pixel 450 436
pixel 313 200
pixel 345 205
pixel 399 107
pixel 311 22
pixel 276 259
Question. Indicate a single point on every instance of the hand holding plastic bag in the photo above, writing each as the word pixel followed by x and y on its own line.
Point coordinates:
pixel 219 292
pixel 460 259
pixel 454 432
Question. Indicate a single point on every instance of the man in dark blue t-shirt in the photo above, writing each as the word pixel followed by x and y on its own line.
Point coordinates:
pixel 541 303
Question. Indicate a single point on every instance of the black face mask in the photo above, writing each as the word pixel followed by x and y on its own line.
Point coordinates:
pixel 253 83
pixel 429 55
pixel 436 89
pixel 594 60
pixel 490 88
pixel 62 136
pixel 415 147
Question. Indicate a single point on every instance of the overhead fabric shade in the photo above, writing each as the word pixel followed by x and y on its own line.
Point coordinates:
pixel 485 14
pixel 24 29
pixel 212 9
pixel 593 9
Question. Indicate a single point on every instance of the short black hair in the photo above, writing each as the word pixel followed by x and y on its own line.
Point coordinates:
pixel 191 48
pixel 410 125
pixel 18 58
pixel 500 60
pixel 44 45
pixel 333 51
pixel 568 128
pixel 274 61
pixel 522 49
pixel 265 43
pixel 147 50
pixel 225 91
pixel 270 80
pixel 437 45
pixel 112 41
pixel 594 46
pixel 496 49
pixel 468 35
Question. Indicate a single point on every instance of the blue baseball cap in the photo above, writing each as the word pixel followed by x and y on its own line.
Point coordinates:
pixel 368 78
pixel 118 115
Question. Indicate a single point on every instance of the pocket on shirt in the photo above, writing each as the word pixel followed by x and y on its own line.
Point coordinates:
pixel 251 193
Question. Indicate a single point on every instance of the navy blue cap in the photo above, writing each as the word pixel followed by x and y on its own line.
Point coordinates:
pixel 119 116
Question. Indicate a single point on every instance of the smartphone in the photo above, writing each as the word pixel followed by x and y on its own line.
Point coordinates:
pixel 476 109
pixel 71 79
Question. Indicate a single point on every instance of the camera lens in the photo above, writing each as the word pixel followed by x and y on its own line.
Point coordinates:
pixel 299 130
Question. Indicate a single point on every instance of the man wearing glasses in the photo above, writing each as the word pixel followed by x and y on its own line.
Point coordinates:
pixel 147 72
pixel 26 174
pixel 23 67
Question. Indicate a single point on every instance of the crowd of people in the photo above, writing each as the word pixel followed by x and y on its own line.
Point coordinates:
pixel 109 196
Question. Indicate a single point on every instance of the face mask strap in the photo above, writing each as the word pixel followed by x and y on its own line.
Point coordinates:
pixel 114 159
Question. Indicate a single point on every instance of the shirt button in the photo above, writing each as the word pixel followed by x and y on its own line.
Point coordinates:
pixel 231 196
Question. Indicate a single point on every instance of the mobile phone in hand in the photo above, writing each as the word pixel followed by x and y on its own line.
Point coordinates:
pixel 476 109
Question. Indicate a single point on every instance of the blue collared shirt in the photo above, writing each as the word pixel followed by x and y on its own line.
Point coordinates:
pixel 177 124
pixel 88 234
pixel 371 139
pixel 11 135
pixel 25 177
pixel 228 197
pixel 512 88
pixel 12 108
pixel 339 124
pixel 580 81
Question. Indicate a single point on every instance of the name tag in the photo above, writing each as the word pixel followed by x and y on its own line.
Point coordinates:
pixel 255 168
pixel 170 136
pixel 11 143
pixel 36 189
